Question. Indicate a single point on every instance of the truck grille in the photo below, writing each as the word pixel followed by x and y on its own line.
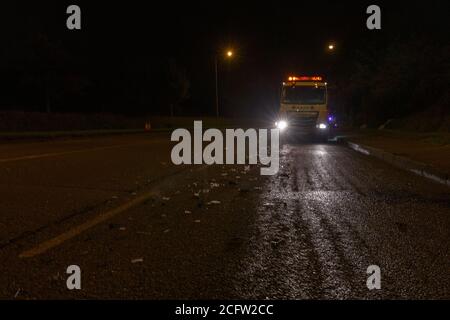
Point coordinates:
pixel 303 119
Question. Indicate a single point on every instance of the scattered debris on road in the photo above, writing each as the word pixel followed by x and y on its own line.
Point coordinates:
pixel 138 260
pixel 214 185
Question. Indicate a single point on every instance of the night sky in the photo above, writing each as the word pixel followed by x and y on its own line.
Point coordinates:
pixel 122 43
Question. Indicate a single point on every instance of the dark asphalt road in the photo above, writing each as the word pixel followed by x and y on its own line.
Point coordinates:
pixel 140 227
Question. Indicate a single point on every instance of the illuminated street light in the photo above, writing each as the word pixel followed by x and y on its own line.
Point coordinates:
pixel 331 47
pixel 229 54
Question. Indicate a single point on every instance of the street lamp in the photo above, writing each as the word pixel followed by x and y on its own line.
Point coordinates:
pixel 229 54
pixel 331 47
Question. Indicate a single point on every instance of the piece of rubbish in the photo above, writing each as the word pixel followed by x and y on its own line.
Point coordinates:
pixel 214 202
pixel 138 260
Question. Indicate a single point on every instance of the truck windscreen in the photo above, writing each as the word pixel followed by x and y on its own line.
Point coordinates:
pixel 304 95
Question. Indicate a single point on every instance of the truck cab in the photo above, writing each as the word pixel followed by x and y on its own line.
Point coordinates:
pixel 304 106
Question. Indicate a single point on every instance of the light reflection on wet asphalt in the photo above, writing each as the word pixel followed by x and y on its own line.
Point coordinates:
pixel 330 213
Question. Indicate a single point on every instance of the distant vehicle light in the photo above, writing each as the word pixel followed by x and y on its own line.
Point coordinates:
pixel 322 126
pixel 281 125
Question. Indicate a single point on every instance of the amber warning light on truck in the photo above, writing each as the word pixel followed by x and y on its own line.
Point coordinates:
pixel 315 78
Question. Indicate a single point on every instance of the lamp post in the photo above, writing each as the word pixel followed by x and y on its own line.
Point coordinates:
pixel 217 85
pixel 332 51
pixel 229 54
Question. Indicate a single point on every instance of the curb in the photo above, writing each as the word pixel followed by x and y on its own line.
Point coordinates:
pixel 416 167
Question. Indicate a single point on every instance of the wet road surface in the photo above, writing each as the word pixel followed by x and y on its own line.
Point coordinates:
pixel 140 227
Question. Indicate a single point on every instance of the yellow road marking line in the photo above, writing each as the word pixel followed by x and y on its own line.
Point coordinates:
pixel 56 241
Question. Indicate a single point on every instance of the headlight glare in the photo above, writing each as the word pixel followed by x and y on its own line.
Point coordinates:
pixel 281 125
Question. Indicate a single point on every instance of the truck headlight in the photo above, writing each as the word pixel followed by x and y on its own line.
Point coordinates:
pixel 281 124
pixel 322 126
